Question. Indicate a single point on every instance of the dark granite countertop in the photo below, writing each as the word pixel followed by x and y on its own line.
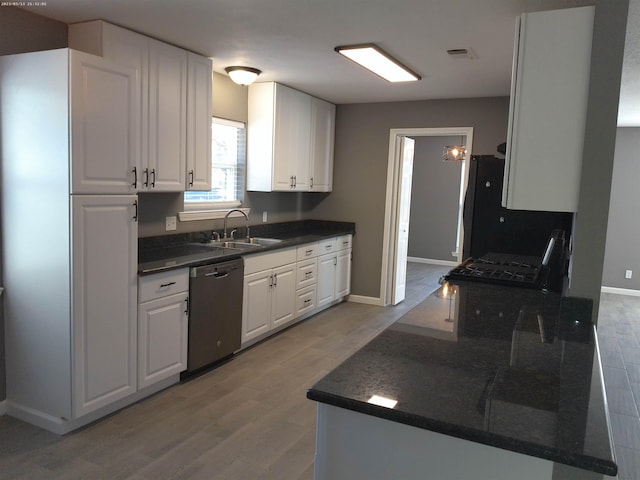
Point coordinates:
pixel 169 252
pixel 507 367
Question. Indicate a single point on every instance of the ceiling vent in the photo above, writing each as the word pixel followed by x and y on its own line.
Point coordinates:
pixel 467 53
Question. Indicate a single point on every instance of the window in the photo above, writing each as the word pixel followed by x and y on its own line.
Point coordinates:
pixel 228 141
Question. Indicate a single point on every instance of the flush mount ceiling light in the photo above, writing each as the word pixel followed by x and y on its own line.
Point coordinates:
pixel 243 75
pixel 454 153
pixel 376 60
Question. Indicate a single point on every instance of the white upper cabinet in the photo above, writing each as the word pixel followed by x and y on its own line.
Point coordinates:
pixel 105 148
pixel 547 114
pixel 198 123
pixel 323 117
pixel 175 101
pixel 286 131
pixel 166 163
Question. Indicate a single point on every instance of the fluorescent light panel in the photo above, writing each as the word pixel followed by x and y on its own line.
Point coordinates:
pixel 376 60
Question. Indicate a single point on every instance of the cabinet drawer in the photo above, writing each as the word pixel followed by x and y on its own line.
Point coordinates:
pixel 327 246
pixel 305 300
pixel 162 284
pixel 263 261
pixel 310 250
pixel 344 242
pixel 306 273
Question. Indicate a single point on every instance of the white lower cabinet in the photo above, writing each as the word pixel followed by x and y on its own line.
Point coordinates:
pixel 287 285
pixel 103 288
pixel 162 326
pixel 269 292
pixel 334 270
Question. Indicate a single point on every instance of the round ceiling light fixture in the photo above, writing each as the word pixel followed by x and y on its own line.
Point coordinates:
pixel 243 75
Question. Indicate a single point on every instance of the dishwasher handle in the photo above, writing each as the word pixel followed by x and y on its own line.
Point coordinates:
pixel 218 274
pixel 220 270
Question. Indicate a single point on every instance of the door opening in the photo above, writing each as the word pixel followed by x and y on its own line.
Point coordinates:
pixel 393 267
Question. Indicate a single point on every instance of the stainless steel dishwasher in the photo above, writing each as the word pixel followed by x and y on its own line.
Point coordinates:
pixel 215 313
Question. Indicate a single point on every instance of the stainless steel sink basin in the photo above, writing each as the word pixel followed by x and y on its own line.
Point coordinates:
pixel 261 241
pixel 247 243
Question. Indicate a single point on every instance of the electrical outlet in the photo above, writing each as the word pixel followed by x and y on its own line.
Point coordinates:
pixel 171 223
pixel 264 216
pixel 628 273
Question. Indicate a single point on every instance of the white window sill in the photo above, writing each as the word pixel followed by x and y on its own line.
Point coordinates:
pixel 192 215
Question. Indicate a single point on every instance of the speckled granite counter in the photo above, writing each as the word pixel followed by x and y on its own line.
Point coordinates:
pixel 167 252
pixel 505 367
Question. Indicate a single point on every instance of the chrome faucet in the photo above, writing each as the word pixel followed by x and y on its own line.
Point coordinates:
pixel 227 216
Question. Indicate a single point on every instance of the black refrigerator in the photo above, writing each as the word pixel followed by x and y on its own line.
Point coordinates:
pixel 488 227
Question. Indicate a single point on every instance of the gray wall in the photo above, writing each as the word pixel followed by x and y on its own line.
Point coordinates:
pixel 435 193
pixel 623 232
pixel 361 157
pixel 21 32
pixel 590 229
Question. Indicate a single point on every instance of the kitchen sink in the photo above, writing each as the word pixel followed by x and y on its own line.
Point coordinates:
pixel 247 243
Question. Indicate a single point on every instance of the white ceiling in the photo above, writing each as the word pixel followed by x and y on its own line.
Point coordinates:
pixel 292 41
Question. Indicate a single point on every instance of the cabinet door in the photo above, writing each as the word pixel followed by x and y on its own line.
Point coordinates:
pixel 547 112
pixel 256 304
pixel 326 279
pixel 198 123
pixel 104 248
pixel 162 338
pixel 323 116
pixel 291 140
pixel 167 118
pixel 283 295
pixel 131 49
pixel 343 273
pixel 105 121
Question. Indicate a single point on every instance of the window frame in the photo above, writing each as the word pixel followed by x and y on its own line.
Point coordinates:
pixel 200 210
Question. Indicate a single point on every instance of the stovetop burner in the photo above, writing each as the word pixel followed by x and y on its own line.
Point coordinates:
pixel 502 269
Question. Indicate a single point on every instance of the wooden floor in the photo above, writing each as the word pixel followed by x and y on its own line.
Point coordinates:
pixel 248 419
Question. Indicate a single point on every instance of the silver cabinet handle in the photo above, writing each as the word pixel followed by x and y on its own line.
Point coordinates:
pixel 275 280
pixel 153 182
pixel 186 307
pixel 311 182
pixel 163 285
pixel 308 252
pixel 135 177
pixel 191 178
pixel 146 177
pixel 135 212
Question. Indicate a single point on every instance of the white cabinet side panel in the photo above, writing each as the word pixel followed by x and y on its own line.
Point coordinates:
pixel 260 136
pixel 549 110
pixel 35 228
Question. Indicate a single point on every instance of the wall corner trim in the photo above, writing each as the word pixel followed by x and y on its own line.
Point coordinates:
pixel 366 300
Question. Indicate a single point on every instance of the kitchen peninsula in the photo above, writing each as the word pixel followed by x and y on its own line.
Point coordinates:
pixel 476 382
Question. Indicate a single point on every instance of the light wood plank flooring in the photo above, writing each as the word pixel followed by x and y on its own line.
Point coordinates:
pixel 248 419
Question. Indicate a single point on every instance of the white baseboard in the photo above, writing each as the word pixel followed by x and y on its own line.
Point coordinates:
pixel 432 261
pixel 620 291
pixel 366 300
pixel 3 407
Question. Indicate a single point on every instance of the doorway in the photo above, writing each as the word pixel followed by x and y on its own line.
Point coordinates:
pixel 392 251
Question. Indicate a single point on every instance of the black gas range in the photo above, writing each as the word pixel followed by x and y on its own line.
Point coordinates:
pixel 545 272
